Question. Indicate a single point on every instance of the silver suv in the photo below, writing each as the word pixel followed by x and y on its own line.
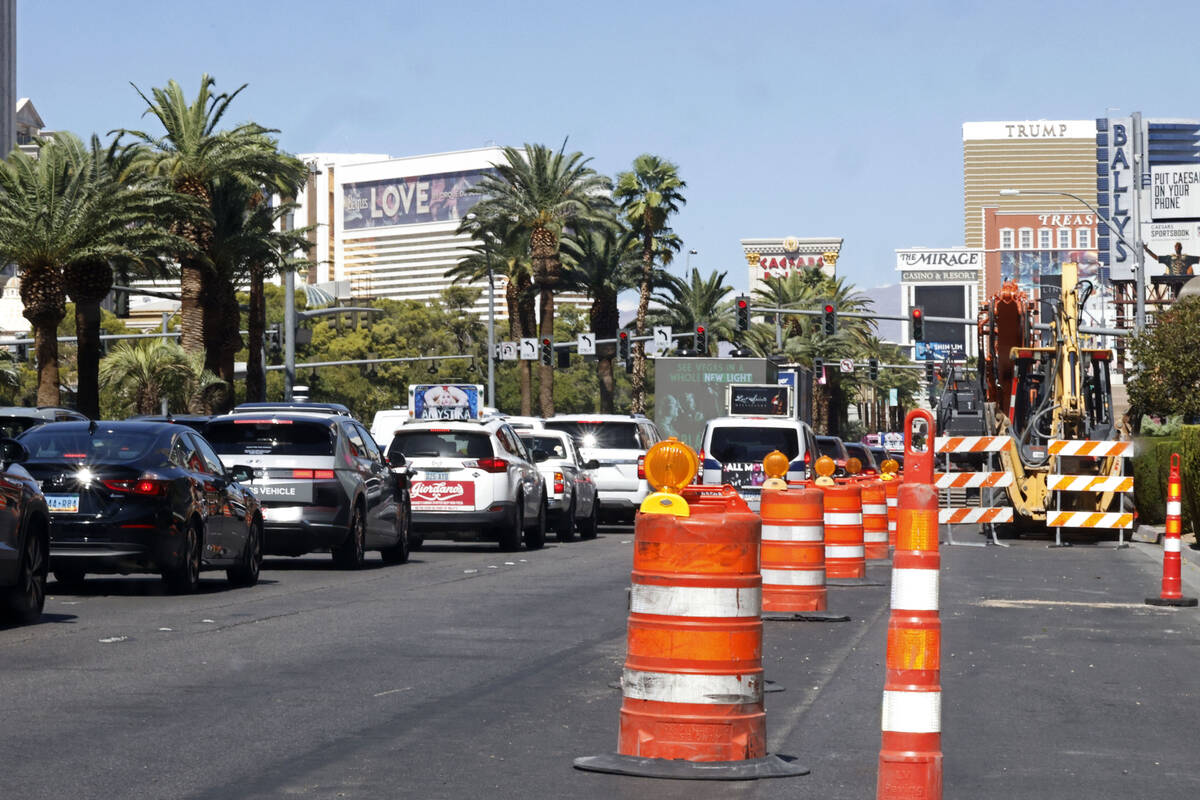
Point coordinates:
pixel 618 444
pixel 322 481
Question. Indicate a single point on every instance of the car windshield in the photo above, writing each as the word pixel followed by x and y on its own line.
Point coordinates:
pixel 832 447
pixel 551 444
pixel 863 454
pixel 264 437
pixel 111 445
pixel 604 435
pixel 441 444
pixel 736 444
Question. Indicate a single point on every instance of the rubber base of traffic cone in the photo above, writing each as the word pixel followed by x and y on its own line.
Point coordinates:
pixel 852 582
pixel 1177 602
pixel 771 766
pixel 805 616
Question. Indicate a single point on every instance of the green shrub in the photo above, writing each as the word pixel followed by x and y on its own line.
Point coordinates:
pixel 1150 464
pixel 1189 465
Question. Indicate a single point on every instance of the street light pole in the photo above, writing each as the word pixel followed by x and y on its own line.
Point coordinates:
pixel 1139 307
pixel 491 348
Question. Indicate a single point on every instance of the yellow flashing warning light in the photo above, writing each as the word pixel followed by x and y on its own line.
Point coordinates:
pixel 853 466
pixel 889 468
pixel 824 467
pixel 670 465
pixel 775 466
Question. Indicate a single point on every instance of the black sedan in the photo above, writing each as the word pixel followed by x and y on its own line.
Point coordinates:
pixel 24 539
pixel 128 497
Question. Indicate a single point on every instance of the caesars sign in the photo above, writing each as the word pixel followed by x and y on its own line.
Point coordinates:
pixel 409 200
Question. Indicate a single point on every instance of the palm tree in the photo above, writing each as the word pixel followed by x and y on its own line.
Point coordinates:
pixel 542 191
pixel 698 301
pixel 602 261
pixel 192 156
pixel 141 373
pixel 60 216
pixel 649 194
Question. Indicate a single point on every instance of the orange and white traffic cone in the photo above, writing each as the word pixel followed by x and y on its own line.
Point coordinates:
pixel 875 520
pixel 910 756
pixel 1172 580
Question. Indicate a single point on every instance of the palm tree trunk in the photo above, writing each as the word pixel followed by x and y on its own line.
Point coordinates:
pixel 231 340
pixel 603 316
pixel 192 290
pixel 87 329
pixel 638 404
pixel 527 323
pixel 546 376
pixel 45 334
pixel 256 385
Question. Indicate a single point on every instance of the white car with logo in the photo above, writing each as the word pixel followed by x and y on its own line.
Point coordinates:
pixel 618 443
pixel 471 480
pixel 733 449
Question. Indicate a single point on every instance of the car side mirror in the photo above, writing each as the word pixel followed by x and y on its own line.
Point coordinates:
pixel 591 464
pixel 12 451
pixel 239 473
pixel 396 459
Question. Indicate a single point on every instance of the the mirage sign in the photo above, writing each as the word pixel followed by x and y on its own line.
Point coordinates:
pixel 951 258
pixel 409 200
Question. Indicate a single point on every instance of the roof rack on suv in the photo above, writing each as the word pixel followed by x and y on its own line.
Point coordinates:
pixel 312 408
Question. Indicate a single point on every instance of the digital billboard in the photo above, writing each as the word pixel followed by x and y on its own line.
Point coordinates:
pixel 409 200
pixel 943 338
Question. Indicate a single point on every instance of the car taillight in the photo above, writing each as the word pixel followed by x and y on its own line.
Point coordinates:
pixel 641 468
pixel 558 483
pixel 492 464
pixel 807 457
pixel 311 474
pixel 146 487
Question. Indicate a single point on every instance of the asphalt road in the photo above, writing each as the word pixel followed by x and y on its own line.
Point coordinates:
pixel 471 673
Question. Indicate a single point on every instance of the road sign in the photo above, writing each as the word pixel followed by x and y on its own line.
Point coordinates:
pixel 529 349
pixel 847 365
pixel 508 351
pixel 894 398
pixel 587 344
pixel 662 339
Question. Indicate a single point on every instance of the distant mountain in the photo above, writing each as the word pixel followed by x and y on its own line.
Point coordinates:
pixel 887 301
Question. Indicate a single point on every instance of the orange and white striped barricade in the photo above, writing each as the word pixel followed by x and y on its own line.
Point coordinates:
pixel 693 676
pixel 793 556
pixel 910 755
pixel 1172 579
pixel 986 512
pixel 1113 483
pixel 891 488
pixel 875 520
pixel 845 554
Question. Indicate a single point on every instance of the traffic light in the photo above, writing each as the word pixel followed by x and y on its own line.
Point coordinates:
pixel 564 358
pixel 873 368
pixel 818 364
pixel 743 313
pixel 547 353
pixel 917 321
pixel 623 345
pixel 929 373
pixel 701 341
pixel 829 319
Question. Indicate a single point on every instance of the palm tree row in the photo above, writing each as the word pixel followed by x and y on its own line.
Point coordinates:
pixel 191 201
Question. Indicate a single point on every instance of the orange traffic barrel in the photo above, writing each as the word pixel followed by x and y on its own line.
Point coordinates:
pixel 844 554
pixel 692 683
pixel 891 488
pixel 793 550
pixel 875 519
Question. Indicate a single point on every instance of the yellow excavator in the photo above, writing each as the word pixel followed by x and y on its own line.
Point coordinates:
pixel 1037 389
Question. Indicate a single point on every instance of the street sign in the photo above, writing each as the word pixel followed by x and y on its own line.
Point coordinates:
pixel 847 365
pixel 893 397
pixel 662 339
pixel 586 344
pixel 529 349
pixel 508 351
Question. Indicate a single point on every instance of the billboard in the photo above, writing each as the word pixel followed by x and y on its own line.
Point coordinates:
pixel 1115 188
pixel 688 392
pixel 445 401
pixel 943 338
pixel 409 200
pixel 1175 192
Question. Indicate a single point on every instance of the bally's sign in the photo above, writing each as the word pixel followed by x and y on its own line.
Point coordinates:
pixel 957 258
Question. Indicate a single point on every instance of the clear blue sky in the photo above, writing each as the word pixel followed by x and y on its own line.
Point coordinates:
pixel 800 118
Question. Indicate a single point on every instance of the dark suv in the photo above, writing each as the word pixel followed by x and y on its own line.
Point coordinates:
pixel 322 481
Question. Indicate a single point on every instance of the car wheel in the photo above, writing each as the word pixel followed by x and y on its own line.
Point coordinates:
pixel 351 553
pixel 587 528
pixel 510 538
pixel 565 530
pixel 535 537
pixel 70 577
pixel 184 577
pixel 24 601
pixel 247 572
pixel 398 553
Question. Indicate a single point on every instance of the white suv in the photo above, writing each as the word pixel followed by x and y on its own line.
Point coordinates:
pixel 618 443
pixel 472 480
pixel 733 448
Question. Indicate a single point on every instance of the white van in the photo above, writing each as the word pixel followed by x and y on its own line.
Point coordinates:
pixel 386 423
pixel 733 448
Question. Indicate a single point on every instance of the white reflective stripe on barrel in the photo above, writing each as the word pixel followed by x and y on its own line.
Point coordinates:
pixel 877 510
pixel 695 601
pixel 842 518
pixel 912 712
pixel 891 525
pixel 1171 544
pixel 1174 508
pixel 673 687
pixel 915 589
pixel 875 536
pixel 792 533
pixel 893 501
pixel 793 577
pixel 844 551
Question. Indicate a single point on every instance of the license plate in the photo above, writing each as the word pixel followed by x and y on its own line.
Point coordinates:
pixel 437 476
pixel 63 503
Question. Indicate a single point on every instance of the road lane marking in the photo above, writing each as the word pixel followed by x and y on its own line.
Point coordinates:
pixel 998 603
pixel 391 691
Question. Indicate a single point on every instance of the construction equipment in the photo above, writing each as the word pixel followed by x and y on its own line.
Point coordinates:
pixel 1043 410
